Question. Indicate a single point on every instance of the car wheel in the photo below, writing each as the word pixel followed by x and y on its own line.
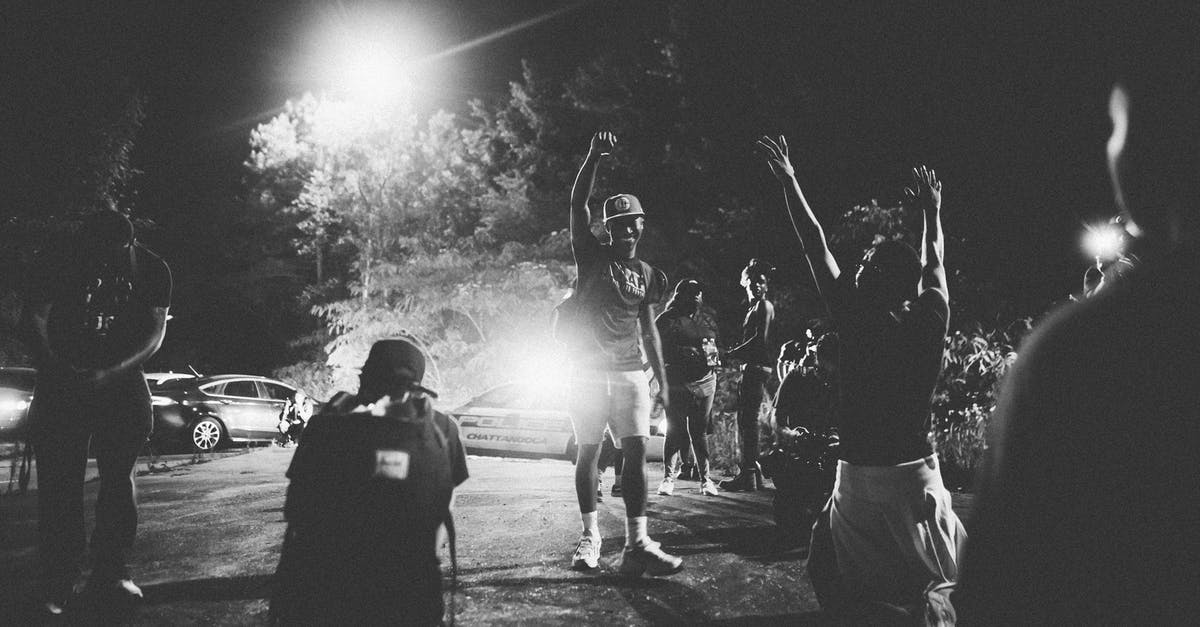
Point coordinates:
pixel 205 435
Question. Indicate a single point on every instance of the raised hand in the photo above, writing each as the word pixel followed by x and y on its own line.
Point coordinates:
pixel 776 154
pixel 602 144
pixel 926 191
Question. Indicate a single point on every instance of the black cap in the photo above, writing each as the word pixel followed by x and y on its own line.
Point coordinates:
pixel 395 363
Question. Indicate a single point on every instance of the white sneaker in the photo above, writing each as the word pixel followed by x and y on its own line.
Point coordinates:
pixel 587 554
pixel 649 559
pixel 708 488
pixel 667 487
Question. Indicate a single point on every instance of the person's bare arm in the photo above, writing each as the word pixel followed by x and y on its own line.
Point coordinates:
pixel 35 324
pixel 652 344
pixel 926 194
pixel 581 216
pixel 812 237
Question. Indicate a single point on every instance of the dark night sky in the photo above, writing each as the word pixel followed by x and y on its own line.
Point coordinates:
pixel 1008 104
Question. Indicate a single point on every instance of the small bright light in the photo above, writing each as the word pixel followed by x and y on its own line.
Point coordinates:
pixel 1103 241
pixel 161 401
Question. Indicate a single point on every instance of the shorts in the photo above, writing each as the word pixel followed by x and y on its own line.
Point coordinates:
pixel 619 400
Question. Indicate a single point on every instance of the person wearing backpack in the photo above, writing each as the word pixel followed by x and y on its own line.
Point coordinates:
pixel 614 322
pixel 372 481
pixel 689 339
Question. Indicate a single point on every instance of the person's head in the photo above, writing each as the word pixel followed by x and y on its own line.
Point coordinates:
pixel 1154 148
pixel 889 274
pixel 825 353
pixel 105 233
pixel 395 368
pixel 755 278
pixel 624 220
pixel 790 355
pixel 687 297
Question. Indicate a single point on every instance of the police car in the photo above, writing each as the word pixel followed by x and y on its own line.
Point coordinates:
pixel 529 420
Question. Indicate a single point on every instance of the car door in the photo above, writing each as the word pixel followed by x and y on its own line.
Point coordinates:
pixel 513 419
pixel 245 411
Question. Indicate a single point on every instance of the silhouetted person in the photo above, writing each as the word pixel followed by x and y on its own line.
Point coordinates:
pixel 98 311
pixel 891 526
pixel 372 481
pixel 808 392
pixel 689 340
pixel 1088 505
pixel 755 353
pixel 617 292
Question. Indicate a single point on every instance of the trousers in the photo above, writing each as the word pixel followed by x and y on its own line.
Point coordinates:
pixel 114 422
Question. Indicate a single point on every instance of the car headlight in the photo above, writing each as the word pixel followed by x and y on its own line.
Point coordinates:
pixel 13 404
pixel 161 401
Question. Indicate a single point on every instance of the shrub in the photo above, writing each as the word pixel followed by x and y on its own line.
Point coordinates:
pixel 973 365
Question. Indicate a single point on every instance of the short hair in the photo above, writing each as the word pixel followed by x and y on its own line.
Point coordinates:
pixel 756 267
pixel 898 264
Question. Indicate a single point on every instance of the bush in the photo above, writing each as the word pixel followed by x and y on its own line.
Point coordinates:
pixel 973 365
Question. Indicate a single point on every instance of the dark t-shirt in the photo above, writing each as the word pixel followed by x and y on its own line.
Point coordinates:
pixel 806 399
pixel 1088 503
pixel 689 345
pixel 613 291
pixel 890 362
pixel 100 311
pixel 757 325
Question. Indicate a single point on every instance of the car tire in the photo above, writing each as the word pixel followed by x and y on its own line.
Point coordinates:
pixel 205 435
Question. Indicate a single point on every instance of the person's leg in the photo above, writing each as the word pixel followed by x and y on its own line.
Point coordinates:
pixel 588 406
pixel 123 420
pixel 697 425
pixel 59 435
pixel 630 420
pixel 585 476
pixel 677 437
pixel 750 396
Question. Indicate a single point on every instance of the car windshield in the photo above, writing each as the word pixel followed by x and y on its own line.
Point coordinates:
pixel 17 379
pixel 522 396
pixel 159 382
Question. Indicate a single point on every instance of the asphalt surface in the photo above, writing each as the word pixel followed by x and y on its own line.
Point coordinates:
pixel 210 532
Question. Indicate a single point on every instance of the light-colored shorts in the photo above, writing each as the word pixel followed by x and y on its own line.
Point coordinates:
pixel 894 531
pixel 619 400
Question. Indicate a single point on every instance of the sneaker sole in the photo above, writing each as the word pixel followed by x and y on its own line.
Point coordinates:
pixel 583 566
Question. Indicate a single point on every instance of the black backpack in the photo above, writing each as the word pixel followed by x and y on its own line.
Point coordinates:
pixel 366 498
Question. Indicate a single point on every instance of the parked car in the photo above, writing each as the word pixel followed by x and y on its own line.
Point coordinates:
pixel 16 393
pixel 528 420
pixel 208 411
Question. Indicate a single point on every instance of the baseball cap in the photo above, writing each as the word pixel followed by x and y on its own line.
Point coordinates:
pixel 396 362
pixel 622 205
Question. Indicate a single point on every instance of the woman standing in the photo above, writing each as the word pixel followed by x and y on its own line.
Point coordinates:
pixel 689 341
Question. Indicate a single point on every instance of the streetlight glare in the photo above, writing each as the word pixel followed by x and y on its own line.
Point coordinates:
pixel 370 57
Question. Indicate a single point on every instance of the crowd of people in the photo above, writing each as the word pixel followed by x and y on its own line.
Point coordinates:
pixel 1076 521
pixel 888 546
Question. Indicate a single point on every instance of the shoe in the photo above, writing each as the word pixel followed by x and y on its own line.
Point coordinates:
pixel 667 487
pixel 648 559
pixel 745 481
pixel 708 488
pixel 53 599
pixel 114 591
pixel 587 554
pixel 616 491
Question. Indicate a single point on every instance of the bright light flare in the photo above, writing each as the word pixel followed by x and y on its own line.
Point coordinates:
pixel 542 365
pixel 371 56
pixel 1103 241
